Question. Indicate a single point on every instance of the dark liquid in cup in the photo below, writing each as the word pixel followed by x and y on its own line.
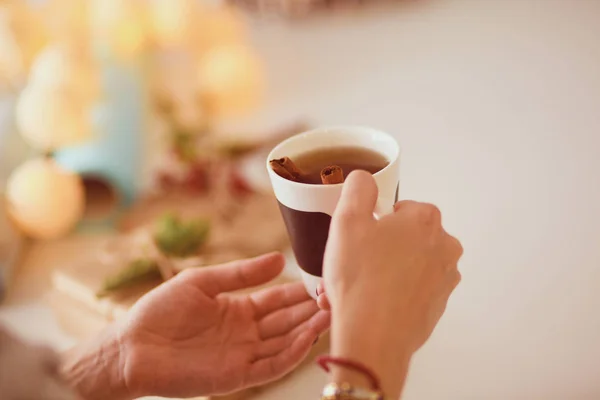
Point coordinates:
pixel 348 158
pixel 308 231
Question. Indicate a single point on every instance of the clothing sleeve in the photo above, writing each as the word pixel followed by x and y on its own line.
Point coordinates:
pixel 29 371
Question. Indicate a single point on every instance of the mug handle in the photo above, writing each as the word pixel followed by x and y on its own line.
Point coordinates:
pixel 383 207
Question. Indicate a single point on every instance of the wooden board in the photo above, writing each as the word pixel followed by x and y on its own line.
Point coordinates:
pixel 251 227
pixel 80 285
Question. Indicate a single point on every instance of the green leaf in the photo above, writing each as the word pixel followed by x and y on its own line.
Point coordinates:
pixel 236 149
pixel 178 238
pixel 185 146
pixel 137 271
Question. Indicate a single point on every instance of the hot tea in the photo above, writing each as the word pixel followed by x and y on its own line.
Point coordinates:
pixel 329 165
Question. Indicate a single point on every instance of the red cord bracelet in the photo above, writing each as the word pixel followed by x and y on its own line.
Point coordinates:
pixel 324 362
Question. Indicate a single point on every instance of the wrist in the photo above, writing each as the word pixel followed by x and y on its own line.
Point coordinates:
pixel 94 369
pixel 370 341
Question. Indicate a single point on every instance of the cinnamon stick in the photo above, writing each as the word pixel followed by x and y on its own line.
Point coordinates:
pixel 286 168
pixel 332 175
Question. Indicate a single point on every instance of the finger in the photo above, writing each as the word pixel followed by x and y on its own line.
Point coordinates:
pixel 455 249
pixel 455 279
pixel 423 213
pixel 358 199
pixel 317 325
pixel 320 288
pixel 323 302
pixel 283 321
pixel 282 296
pixel 235 275
pixel 403 204
pixel 272 368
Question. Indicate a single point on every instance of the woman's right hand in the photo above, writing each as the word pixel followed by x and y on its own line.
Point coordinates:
pixel 388 280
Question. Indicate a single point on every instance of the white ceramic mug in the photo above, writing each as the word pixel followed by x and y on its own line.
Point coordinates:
pixel 307 208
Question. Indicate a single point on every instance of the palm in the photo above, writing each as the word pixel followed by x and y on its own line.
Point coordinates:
pixel 190 337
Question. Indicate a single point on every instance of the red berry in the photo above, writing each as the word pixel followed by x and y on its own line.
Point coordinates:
pixel 238 185
pixel 165 181
pixel 197 179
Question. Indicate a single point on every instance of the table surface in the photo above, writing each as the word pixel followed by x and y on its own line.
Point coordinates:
pixel 496 105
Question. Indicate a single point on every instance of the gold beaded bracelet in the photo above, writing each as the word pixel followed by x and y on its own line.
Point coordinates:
pixel 345 391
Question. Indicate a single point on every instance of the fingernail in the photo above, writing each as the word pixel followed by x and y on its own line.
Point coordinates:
pixel 317 290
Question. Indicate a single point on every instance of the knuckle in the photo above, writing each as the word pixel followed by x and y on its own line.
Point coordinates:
pixel 455 248
pixel 457 278
pixel 428 213
pixel 345 217
pixel 459 248
pixel 404 204
pixel 243 276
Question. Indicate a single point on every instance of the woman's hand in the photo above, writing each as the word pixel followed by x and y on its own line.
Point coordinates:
pixel 388 281
pixel 191 337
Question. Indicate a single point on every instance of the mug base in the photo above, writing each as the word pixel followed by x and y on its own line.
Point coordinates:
pixel 311 283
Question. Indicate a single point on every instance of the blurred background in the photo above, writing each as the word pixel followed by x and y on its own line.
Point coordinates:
pixel 133 135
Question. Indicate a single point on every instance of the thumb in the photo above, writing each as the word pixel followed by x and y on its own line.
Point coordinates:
pixel 236 275
pixel 359 197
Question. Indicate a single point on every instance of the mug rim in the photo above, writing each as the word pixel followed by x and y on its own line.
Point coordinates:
pixel 330 128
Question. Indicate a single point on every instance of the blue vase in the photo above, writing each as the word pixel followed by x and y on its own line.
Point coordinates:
pixel 113 154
